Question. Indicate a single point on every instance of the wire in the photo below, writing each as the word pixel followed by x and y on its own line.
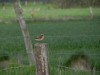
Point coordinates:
pixel 75 36
pixel 16 37
pixel 16 67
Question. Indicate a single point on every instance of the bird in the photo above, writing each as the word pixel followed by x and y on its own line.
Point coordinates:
pixel 40 37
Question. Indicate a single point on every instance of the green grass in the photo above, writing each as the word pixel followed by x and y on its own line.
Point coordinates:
pixel 24 70
pixel 59 35
pixel 31 71
pixel 56 71
pixel 63 37
pixel 46 11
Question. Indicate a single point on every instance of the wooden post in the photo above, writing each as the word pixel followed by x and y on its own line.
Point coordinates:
pixel 26 2
pixel 91 12
pixel 26 36
pixel 59 69
pixel 94 70
pixel 19 59
pixel 41 59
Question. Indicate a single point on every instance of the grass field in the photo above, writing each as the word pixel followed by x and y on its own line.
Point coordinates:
pixel 64 38
pixel 79 34
pixel 45 11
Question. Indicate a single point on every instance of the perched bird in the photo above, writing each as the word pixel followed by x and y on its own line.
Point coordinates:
pixel 40 37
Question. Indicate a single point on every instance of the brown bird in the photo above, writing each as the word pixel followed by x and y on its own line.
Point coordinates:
pixel 40 37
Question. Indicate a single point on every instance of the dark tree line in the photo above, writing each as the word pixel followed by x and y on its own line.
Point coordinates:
pixel 63 3
pixel 76 3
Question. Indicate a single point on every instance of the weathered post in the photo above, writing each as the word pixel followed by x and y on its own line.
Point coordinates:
pixel 91 8
pixel 26 2
pixel 26 36
pixel 91 12
pixel 41 59
pixel 94 70
pixel 19 59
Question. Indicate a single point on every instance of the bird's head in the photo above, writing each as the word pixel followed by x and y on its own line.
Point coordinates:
pixel 42 34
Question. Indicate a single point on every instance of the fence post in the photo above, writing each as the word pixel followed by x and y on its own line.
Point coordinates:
pixel 19 59
pixel 25 32
pixel 94 70
pixel 41 59
pixel 91 12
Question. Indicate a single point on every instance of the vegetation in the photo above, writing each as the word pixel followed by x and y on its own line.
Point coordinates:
pixel 47 11
pixel 59 3
pixel 22 70
pixel 63 37
pixel 4 56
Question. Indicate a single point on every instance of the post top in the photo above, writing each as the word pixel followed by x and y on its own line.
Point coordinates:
pixel 40 44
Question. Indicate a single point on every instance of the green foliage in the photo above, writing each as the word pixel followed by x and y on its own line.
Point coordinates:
pixel 61 36
pixel 56 70
pixel 47 11
pixel 4 56
pixel 29 70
